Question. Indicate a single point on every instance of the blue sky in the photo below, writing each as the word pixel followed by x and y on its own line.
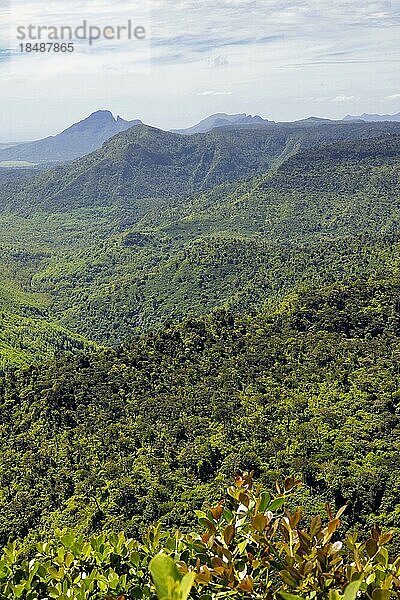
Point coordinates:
pixel 282 59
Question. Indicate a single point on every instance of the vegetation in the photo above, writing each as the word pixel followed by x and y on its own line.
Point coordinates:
pixel 118 439
pixel 249 546
pixel 10 172
pixel 147 163
pixel 28 333
pixel 325 216
pixel 164 322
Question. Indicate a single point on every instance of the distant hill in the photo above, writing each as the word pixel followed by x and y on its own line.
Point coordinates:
pixel 315 121
pixel 76 141
pixel 144 162
pixel 373 118
pixel 222 120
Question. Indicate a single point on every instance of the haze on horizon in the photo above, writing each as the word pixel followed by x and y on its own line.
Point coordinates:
pixel 283 60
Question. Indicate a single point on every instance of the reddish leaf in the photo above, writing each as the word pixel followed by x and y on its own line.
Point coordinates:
pixel 260 522
pixel 229 534
pixel 216 511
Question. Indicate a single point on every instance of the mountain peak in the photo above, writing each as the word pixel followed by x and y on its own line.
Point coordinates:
pixel 222 120
pixel 101 115
pixel 315 121
pixel 79 139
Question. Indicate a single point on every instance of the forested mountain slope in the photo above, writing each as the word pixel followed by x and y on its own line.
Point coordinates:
pixel 338 189
pixel 28 332
pixel 326 215
pixel 11 174
pixel 119 438
pixel 144 162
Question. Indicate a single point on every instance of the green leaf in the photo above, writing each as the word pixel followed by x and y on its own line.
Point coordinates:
pixel 68 539
pixel 200 514
pixel 163 569
pixel 57 574
pixel 351 591
pixel 286 596
pixel 186 585
pixel 69 559
pixel 264 501
pixel 19 590
pixel 382 557
pixel 276 504
pixel 228 515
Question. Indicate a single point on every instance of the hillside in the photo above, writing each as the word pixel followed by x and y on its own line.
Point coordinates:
pixel 345 188
pixel 110 266
pixel 325 215
pixel 10 174
pixel 116 439
pixel 144 163
pixel 147 163
pixel 28 332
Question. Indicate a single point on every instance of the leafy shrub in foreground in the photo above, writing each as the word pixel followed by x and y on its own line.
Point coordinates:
pixel 251 546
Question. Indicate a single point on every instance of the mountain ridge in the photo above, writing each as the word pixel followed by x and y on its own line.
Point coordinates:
pixel 90 133
pixel 373 118
pixel 222 120
pixel 74 142
pixel 146 162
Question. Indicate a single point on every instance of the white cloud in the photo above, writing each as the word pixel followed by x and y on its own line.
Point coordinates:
pixel 344 98
pixel 393 97
pixel 341 98
pixel 99 56
pixel 213 93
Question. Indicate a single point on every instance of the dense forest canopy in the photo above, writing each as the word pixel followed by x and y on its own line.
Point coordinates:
pixel 123 437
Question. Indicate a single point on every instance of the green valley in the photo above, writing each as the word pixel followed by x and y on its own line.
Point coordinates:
pixel 325 215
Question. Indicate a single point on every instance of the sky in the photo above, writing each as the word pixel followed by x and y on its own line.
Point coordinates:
pixel 281 59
